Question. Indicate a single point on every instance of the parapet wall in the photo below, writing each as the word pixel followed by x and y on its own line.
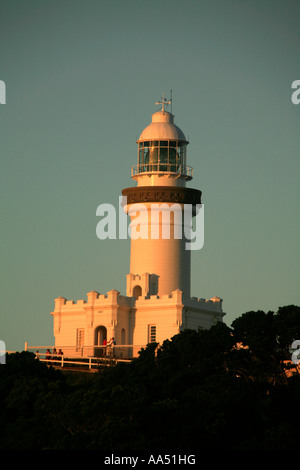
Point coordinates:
pixel 114 297
pixel 214 304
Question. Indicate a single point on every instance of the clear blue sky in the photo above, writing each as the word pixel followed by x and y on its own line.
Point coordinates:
pixel 82 78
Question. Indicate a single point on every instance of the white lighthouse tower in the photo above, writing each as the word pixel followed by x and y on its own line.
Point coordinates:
pixel 156 207
pixel 158 302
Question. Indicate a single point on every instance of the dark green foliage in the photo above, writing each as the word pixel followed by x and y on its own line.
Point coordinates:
pixel 194 392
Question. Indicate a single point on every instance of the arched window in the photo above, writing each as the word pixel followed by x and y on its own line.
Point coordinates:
pixel 137 291
pixel 123 336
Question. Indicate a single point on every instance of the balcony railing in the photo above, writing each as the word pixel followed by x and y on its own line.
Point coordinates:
pixel 185 172
pixel 86 357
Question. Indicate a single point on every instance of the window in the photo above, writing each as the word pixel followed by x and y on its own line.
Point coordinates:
pixel 151 333
pixel 137 291
pixel 123 336
pixel 163 158
pixel 153 157
pixel 141 159
pixel 162 155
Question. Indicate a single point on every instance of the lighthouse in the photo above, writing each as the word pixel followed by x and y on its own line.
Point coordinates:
pixel 158 303
pixel 157 204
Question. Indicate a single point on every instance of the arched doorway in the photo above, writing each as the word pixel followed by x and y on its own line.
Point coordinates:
pixel 99 336
pixel 137 291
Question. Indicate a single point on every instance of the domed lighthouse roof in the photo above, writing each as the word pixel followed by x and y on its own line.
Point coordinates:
pixel 162 126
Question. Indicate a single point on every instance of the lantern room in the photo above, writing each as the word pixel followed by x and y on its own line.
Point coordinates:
pixel 162 147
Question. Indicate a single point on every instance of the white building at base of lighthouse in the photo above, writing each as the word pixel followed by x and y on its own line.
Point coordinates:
pixel 158 304
pixel 83 325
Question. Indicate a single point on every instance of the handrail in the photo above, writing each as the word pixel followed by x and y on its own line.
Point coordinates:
pixel 90 362
pixel 140 168
pixel 61 346
pixel 88 356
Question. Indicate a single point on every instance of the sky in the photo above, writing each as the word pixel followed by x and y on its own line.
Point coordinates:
pixel 82 78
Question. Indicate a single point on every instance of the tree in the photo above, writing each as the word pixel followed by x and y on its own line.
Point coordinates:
pixel 287 327
pixel 197 391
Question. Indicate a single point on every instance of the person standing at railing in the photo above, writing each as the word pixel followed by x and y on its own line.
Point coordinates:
pixel 105 346
pixel 60 355
pixel 111 345
pixel 48 355
pixel 54 354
